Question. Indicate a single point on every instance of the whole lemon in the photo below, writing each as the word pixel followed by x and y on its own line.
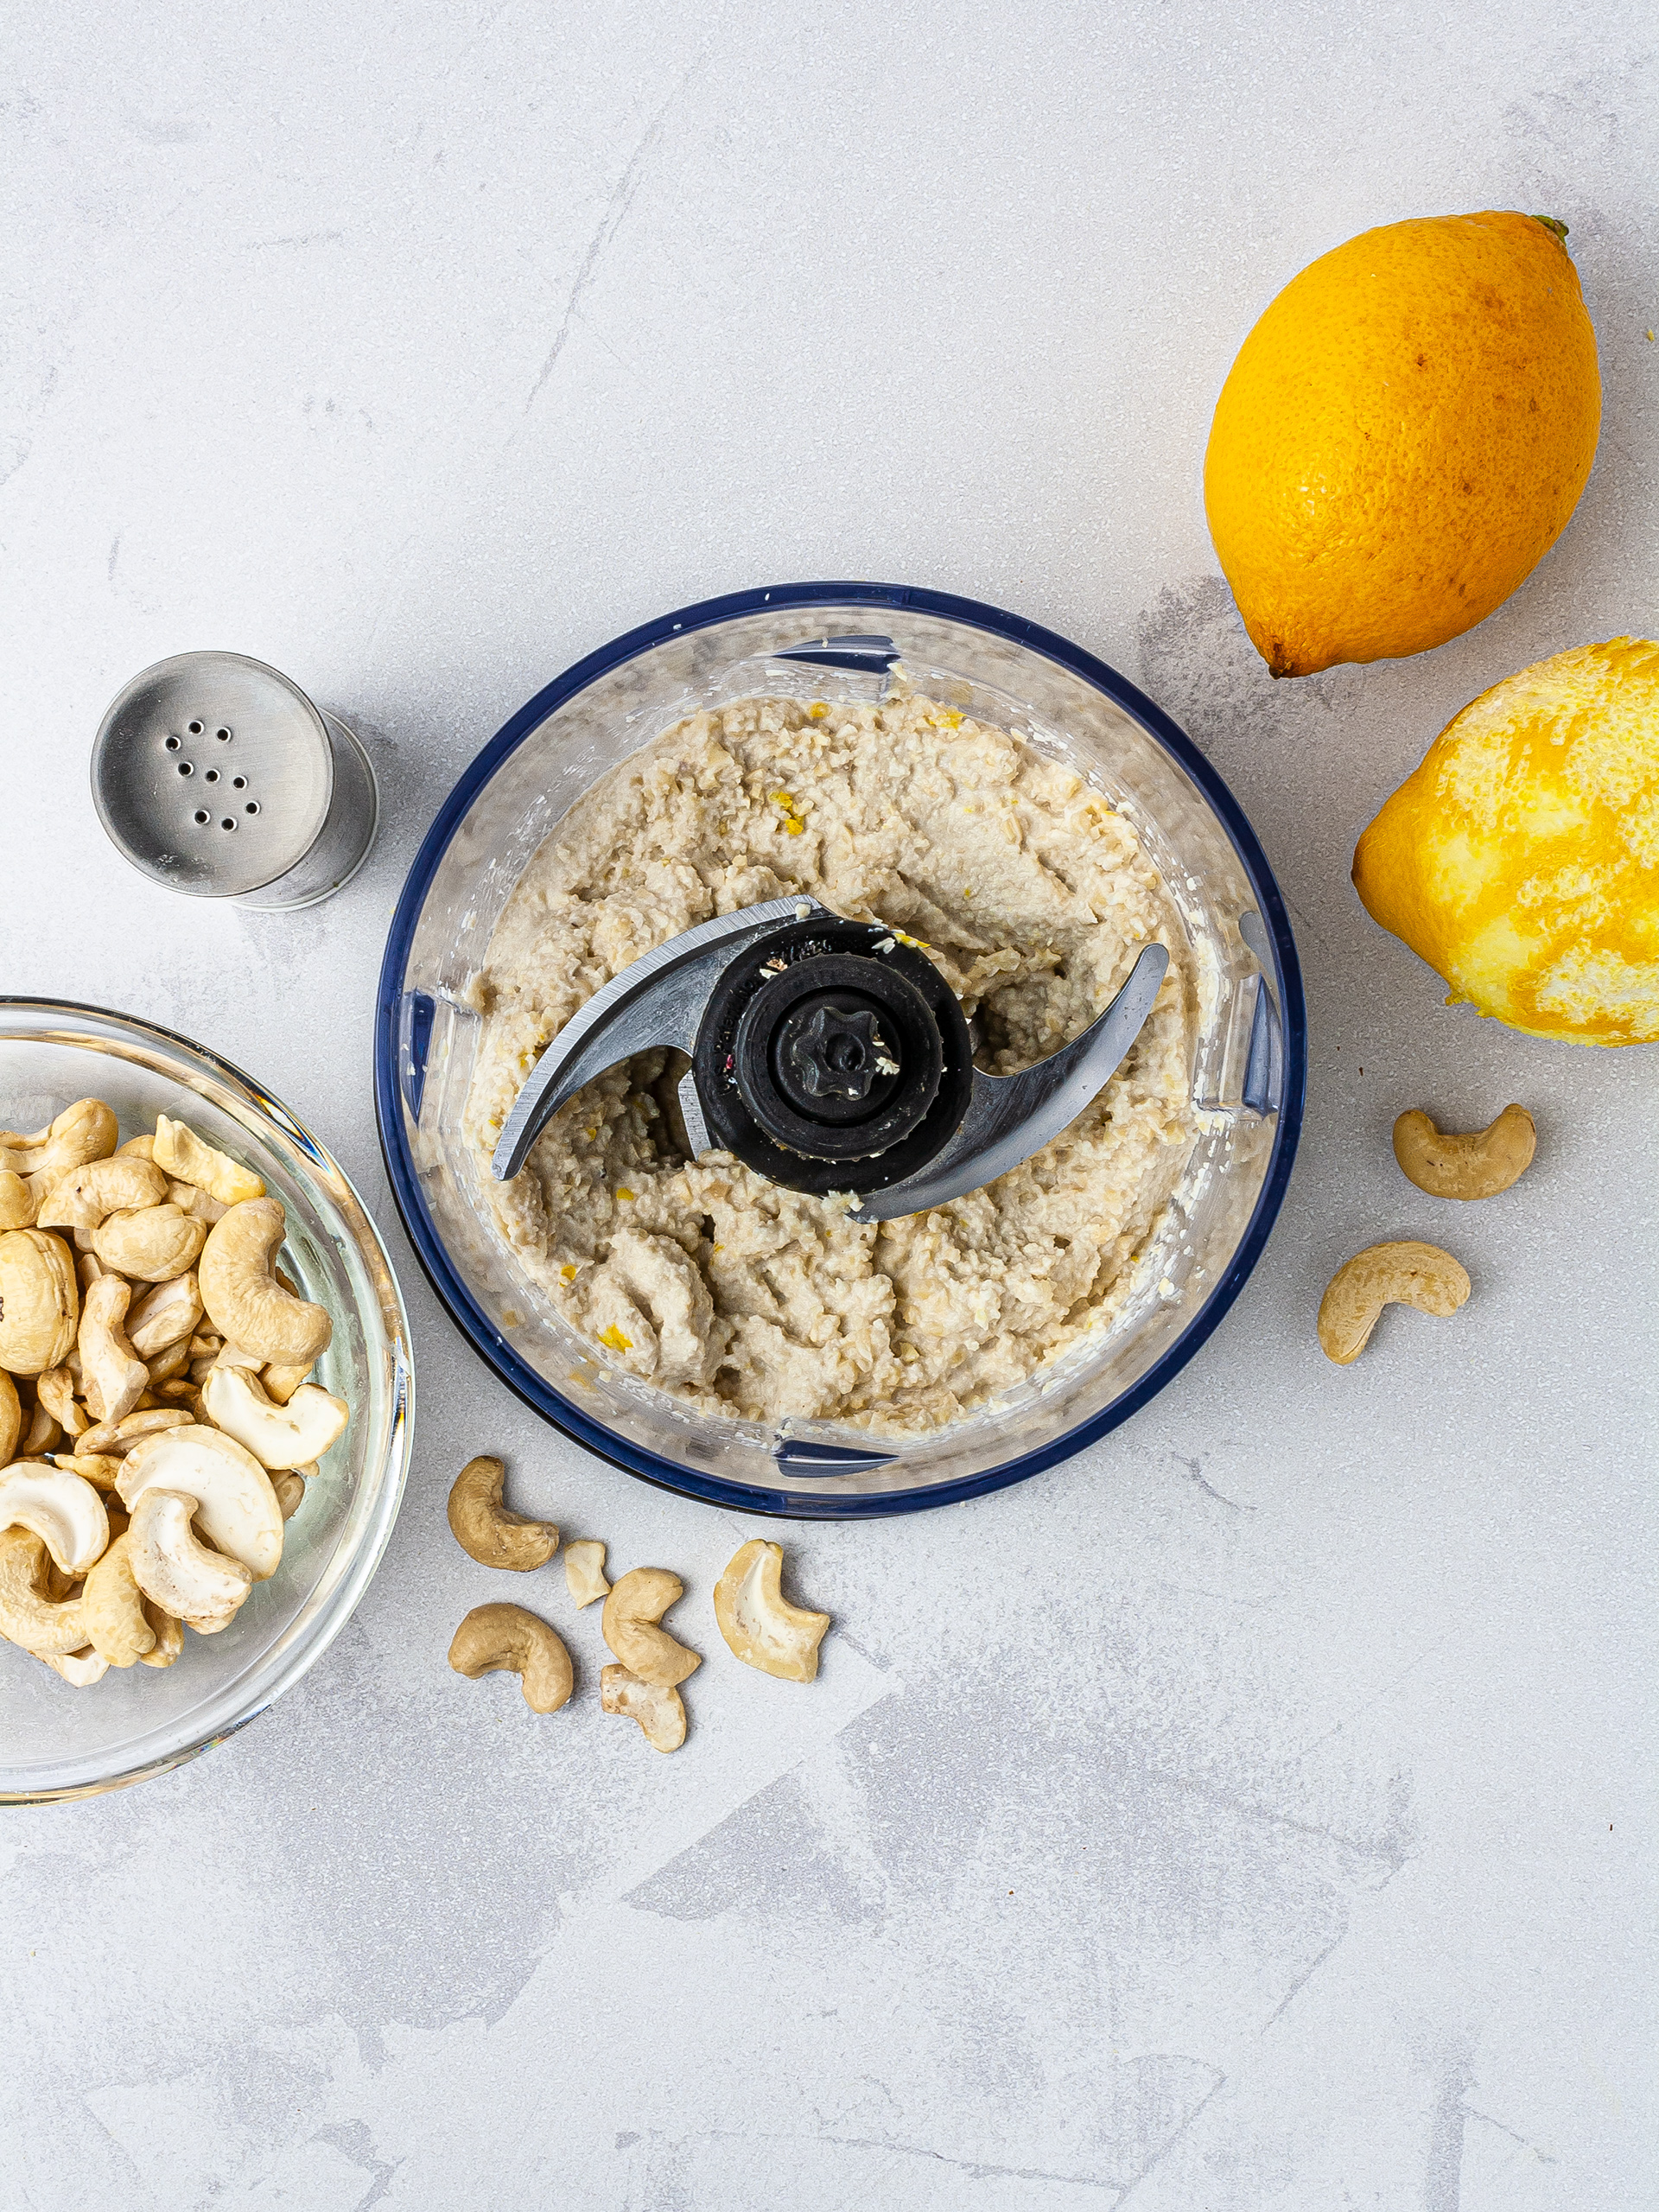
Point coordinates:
pixel 1402 438
pixel 1522 858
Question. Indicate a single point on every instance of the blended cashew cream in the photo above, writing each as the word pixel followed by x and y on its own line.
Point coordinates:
pixel 1034 897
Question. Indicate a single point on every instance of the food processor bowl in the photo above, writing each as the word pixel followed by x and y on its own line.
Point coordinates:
pixel 845 643
pixel 57 1741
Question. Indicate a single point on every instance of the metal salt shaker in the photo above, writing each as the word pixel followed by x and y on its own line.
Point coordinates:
pixel 216 776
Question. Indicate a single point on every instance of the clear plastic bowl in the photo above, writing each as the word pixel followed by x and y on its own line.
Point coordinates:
pixel 1249 1073
pixel 57 1741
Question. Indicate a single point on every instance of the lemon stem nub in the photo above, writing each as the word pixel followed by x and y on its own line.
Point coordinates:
pixel 1553 223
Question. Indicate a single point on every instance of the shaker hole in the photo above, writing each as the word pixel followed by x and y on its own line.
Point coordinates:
pixel 238 783
pixel 185 769
pixel 228 823
pixel 252 807
pixel 172 744
pixel 212 775
pixel 223 735
pixel 195 729
pixel 201 814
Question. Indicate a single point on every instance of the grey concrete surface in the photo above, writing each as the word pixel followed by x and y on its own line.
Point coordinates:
pixel 1254 1815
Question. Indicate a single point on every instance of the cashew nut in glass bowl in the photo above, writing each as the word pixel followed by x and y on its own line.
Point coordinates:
pixel 153 1385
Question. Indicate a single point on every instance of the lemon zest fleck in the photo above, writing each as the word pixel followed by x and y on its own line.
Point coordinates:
pixel 625 1194
pixel 615 1338
pixel 568 1273
pixel 818 709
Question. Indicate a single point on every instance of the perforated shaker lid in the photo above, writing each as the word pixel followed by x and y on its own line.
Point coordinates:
pixel 212 773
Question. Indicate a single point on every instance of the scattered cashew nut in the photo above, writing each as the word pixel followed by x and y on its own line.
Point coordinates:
pixel 758 1622
pixel 175 1571
pixel 490 1532
pixel 244 1301
pixel 658 1708
pixel 633 1610
pixel 506 1639
pixel 584 1570
pixel 1478 1165
pixel 180 1151
pixel 1405 1274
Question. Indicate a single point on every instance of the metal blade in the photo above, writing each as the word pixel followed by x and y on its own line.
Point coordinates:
pixel 657 1000
pixel 1011 1116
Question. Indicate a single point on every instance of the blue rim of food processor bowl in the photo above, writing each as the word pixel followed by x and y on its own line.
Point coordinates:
pixel 464 1309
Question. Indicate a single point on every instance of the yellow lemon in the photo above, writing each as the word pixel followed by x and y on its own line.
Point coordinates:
pixel 1402 438
pixel 1522 858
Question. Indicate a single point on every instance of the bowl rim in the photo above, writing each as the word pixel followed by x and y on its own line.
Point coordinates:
pixel 354 1582
pixel 456 1298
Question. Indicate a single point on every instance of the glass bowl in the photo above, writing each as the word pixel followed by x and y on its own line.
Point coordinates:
pixel 57 1741
pixel 841 642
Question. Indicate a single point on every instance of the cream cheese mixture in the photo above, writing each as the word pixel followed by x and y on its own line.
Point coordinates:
pixel 1032 896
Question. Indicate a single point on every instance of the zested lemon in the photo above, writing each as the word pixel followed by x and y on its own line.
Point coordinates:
pixel 1522 858
pixel 1402 437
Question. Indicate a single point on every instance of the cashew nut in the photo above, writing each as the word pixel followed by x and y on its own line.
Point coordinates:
pixel 150 1246
pixel 80 1669
pixel 19 1200
pixel 636 1604
pixel 169 1636
pixel 490 1532
pixel 1478 1165
pixel 165 1367
pixel 11 1416
pixel 584 1570
pixel 40 1302
pixel 56 1390
pixel 506 1639
pixel 40 1434
pixel 279 1383
pixel 243 1301
pixel 289 1486
pixel 28 1614
pixel 165 1316
pixel 113 1607
pixel 94 1467
pixel 86 1130
pixel 656 1707
pixel 762 1627
pixel 62 1509
pixel 177 1572
pixel 182 1154
pixel 82 1197
pixel 277 1436
pixel 202 1205
pixel 137 1148
pixel 235 1503
pixel 114 1377
pixel 111 1440
pixel 1405 1274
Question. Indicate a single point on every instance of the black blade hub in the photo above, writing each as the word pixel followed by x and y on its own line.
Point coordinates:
pixel 830 1043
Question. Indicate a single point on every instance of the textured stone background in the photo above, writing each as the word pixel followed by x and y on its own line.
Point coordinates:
pixel 1254 1815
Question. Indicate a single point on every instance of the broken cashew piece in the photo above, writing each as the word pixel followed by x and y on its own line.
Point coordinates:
pixel 180 1151
pixel 149 1246
pixel 113 1607
pixel 56 1390
pixel 243 1299
pixel 658 1708
pixel 40 1301
pixel 62 1509
pixel 29 1613
pixel 111 1440
pixel 758 1622
pixel 178 1572
pixel 279 1383
pixel 490 1532
pixel 633 1610
pixel 169 1636
pixel 1478 1165
pixel 289 1486
pixel 113 1377
pixel 506 1639
pixel 80 1669
pixel 1404 1274
pixel 165 1316
pixel 11 1416
pixel 584 1570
